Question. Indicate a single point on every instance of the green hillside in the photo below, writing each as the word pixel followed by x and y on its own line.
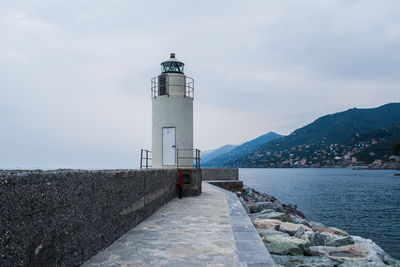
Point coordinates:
pixel 215 153
pixel 241 150
pixel 327 141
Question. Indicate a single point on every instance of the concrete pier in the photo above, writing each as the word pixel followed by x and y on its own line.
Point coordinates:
pixel 212 229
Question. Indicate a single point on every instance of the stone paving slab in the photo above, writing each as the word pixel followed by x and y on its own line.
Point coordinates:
pixel 212 229
pixel 250 249
pixel 193 231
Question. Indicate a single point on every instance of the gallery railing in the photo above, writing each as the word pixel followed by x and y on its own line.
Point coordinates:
pixel 188 158
pixel 155 87
pixel 145 159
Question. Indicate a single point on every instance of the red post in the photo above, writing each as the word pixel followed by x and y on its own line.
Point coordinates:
pixel 180 188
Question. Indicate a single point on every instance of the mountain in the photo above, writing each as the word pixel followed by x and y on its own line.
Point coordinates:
pixel 241 150
pixel 377 144
pixel 210 154
pixel 323 142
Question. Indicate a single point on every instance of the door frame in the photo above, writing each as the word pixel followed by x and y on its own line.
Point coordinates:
pixel 162 146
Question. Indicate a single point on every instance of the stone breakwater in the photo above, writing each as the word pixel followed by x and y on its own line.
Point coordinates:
pixel 293 240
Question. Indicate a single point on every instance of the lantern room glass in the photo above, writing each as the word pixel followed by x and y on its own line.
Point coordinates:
pixel 172 66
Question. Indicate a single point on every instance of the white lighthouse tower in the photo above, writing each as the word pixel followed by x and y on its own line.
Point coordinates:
pixel 172 117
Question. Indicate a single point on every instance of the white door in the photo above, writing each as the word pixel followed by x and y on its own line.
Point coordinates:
pixel 169 146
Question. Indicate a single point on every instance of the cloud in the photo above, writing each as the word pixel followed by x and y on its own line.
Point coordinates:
pixel 75 76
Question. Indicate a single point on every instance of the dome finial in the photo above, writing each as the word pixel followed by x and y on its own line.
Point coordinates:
pixel 172 55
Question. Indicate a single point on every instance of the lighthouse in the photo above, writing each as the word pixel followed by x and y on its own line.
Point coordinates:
pixel 172 117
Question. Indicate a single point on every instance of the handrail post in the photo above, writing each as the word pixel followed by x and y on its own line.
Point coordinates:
pixel 147 159
pixel 197 158
pixel 141 158
pixel 177 157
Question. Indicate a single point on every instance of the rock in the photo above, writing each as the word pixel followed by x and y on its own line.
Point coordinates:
pixel 264 214
pixel 291 228
pixel 390 261
pixel 296 213
pixel 363 252
pixel 254 208
pixel 362 263
pixel 292 210
pixel 304 234
pixel 282 217
pixel 267 223
pixel 244 204
pixel 330 240
pixel 289 206
pixel 296 219
pixel 299 232
pixel 294 261
pixel 252 195
pixel 339 230
pixel 271 214
pixel 269 205
pixel 278 205
pixel 375 252
pixel 284 245
pixel 270 232
pixel 339 253
pixel 330 230
pixel 316 224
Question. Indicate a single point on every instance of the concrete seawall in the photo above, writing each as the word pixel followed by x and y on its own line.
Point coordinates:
pixel 211 174
pixel 63 217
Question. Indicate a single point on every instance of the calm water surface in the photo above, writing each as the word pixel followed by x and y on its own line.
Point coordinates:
pixel 364 203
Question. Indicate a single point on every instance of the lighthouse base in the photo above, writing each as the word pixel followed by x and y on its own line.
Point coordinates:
pixel 191 181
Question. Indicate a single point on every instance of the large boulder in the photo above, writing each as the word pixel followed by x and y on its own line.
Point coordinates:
pixel 254 208
pixel 362 263
pixel 292 210
pixel 270 232
pixel 269 205
pixel 267 223
pixel 339 253
pixel 292 228
pixel 363 252
pixel 295 261
pixel 339 230
pixel 284 245
pixel 330 240
pixel 297 219
pixel 316 224
pixel 271 214
pixel 375 252
pixel 251 195
pixel 264 214
pixel 304 234
pixel 278 205
pixel 282 217
pixel 335 231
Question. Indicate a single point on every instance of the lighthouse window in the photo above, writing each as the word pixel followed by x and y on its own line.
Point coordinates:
pixel 162 85
pixel 172 66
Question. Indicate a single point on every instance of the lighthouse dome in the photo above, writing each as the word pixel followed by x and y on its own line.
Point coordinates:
pixel 172 65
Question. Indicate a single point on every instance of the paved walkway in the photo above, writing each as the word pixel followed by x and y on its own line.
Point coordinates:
pixel 208 230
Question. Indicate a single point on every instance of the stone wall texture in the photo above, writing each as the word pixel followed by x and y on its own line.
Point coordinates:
pixel 211 174
pixel 63 217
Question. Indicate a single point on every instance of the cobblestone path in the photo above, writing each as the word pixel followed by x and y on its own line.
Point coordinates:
pixel 193 231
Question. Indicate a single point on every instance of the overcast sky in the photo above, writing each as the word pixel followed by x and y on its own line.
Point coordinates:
pixel 75 75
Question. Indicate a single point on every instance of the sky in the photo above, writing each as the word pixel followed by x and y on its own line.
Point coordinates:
pixel 75 75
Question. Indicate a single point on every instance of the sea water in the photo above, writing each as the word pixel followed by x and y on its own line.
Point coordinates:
pixel 362 202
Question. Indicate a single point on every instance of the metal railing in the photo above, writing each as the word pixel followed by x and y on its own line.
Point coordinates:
pixel 190 160
pixel 145 159
pixel 189 87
